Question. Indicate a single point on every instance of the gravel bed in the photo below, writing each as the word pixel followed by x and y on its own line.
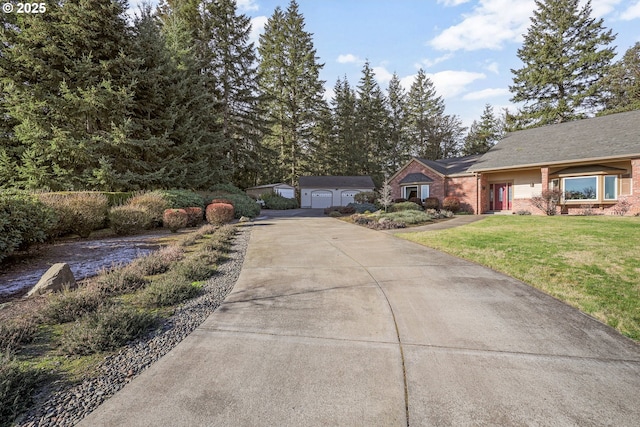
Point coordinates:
pixel 67 405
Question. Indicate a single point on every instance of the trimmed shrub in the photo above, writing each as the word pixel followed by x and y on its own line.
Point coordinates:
pixel 17 386
pixel 417 201
pixel 242 203
pixel 405 206
pixel 70 305
pixel 128 219
pixel 196 268
pixel 119 281
pixel 399 200
pixel 276 201
pixel 431 203
pixel 175 219
pixel 157 262
pixel 78 213
pixel 194 216
pixel 219 200
pixel 219 213
pixel 363 207
pixel 106 329
pixel 16 331
pixel 408 216
pixel 180 199
pixel 168 291
pixel 451 203
pixel 24 220
pixel 153 203
pixel 365 197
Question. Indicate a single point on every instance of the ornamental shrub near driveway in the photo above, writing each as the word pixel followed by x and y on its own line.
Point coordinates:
pixel 79 212
pixel 451 203
pixel 219 213
pixel 125 220
pixel 175 219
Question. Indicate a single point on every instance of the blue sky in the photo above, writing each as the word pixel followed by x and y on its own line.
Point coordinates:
pixel 466 47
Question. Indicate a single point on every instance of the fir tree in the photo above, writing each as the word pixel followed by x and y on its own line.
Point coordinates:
pixel 622 84
pixel 231 62
pixel 565 55
pixel 399 150
pixel 430 132
pixel 372 141
pixel 344 153
pixel 289 79
pixel 483 134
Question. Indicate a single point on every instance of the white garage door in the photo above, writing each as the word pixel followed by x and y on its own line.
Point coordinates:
pixel 321 199
pixel 348 197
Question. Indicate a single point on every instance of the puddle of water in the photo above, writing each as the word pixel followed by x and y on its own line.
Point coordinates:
pixel 85 258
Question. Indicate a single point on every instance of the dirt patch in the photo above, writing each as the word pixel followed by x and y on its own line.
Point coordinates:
pixel 86 257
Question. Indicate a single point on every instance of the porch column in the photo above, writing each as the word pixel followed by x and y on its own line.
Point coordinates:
pixel 545 178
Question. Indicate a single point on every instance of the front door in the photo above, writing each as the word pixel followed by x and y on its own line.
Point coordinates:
pixel 501 199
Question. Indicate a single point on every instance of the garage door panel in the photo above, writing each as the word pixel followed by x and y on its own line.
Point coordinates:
pixel 321 199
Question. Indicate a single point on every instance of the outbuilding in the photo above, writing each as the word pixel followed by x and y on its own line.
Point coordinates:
pixel 326 191
pixel 284 190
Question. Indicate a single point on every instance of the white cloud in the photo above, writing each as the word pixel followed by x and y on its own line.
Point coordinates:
pixel 489 26
pixel 601 7
pixel 448 83
pixel 453 2
pixel 486 94
pixel 494 67
pixel 257 27
pixel 349 59
pixel 383 76
pixel 632 12
pixel 428 63
pixel 247 5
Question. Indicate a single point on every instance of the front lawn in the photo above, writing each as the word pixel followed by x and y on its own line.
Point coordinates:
pixel 592 263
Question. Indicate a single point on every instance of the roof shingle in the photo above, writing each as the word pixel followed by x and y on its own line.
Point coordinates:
pixel 336 182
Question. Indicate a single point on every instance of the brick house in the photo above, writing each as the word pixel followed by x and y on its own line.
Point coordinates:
pixel 594 162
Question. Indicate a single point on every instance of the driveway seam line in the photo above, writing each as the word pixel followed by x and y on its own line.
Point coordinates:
pixel 395 324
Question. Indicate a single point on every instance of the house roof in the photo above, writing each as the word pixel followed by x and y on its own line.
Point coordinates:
pixel 599 138
pixel 279 184
pixel 456 165
pixel 336 182
pixel 415 178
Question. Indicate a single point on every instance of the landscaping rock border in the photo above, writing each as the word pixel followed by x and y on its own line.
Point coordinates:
pixel 67 405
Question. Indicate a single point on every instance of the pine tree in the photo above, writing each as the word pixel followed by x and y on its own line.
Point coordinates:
pixel 565 55
pixel 430 132
pixel 483 134
pixel 372 140
pixel 622 84
pixel 231 62
pixel 399 149
pixel 289 79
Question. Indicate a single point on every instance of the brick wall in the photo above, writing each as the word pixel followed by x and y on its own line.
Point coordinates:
pixel 436 188
pixel 465 189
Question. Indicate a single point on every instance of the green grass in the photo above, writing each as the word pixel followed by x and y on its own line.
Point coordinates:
pixel 592 263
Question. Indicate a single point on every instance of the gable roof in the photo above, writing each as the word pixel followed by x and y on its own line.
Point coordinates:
pixel 598 138
pixel 279 184
pixel 336 182
pixel 415 178
pixel 456 165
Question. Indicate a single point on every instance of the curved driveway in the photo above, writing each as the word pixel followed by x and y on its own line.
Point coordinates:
pixel 333 324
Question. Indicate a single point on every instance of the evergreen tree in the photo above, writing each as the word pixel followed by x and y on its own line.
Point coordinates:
pixel 344 153
pixel 622 84
pixel 372 141
pixel 68 86
pixel 483 134
pixel 565 55
pixel 399 149
pixel 232 65
pixel 430 132
pixel 200 147
pixel 289 80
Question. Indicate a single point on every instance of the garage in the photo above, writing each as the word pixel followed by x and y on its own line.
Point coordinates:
pixel 321 199
pixel 326 191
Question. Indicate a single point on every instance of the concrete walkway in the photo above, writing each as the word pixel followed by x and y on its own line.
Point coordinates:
pixel 331 324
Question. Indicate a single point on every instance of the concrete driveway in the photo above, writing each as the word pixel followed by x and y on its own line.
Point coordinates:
pixel 331 324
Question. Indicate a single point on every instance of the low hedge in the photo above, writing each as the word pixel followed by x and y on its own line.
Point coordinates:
pixel 180 199
pixel 77 212
pixel 243 204
pixel 153 203
pixel 219 213
pixel 24 220
pixel 405 206
pixel 276 201
pixel 127 219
